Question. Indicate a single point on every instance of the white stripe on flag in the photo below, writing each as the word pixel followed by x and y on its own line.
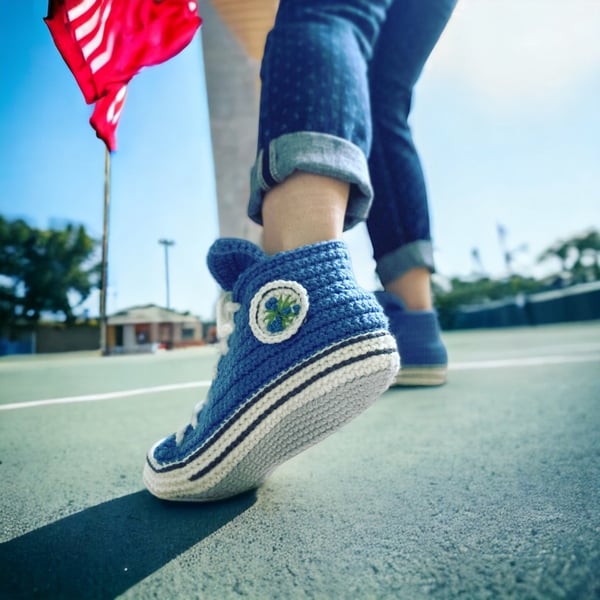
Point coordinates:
pixel 88 26
pixel 102 59
pixel 116 106
pixel 97 40
pixel 81 8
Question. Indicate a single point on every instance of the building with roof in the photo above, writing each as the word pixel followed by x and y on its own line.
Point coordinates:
pixel 150 327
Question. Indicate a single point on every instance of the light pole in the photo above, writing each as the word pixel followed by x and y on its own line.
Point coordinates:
pixel 167 244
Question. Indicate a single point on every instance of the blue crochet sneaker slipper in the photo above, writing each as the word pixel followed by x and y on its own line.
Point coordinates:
pixel 423 356
pixel 307 351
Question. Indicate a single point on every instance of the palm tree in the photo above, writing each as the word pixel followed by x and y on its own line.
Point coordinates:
pixel 573 252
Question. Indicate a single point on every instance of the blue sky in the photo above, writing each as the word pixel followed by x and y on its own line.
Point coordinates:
pixel 505 117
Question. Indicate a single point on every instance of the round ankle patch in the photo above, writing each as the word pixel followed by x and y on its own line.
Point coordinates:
pixel 278 310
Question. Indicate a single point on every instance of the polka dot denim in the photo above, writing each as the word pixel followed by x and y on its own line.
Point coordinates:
pixel 337 80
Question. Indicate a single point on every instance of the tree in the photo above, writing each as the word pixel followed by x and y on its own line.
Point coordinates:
pixel 560 251
pixel 14 237
pixel 587 264
pixel 579 255
pixel 44 270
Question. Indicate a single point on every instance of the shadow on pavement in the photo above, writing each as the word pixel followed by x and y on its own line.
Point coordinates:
pixel 104 550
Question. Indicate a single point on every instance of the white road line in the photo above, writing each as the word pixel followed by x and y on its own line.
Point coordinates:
pixel 525 361
pixel 458 366
pixel 108 395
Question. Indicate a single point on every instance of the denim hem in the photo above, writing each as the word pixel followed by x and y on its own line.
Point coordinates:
pixel 412 255
pixel 317 153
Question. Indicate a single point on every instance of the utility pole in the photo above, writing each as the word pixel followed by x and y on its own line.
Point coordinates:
pixel 508 254
pixel 104 272
pixel 167 244
pixel 478 269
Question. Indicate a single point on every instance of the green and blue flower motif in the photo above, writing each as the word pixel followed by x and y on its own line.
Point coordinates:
pixel 280 313
pixel 278 310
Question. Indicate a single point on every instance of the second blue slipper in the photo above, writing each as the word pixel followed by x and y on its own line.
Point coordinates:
pixel 423 356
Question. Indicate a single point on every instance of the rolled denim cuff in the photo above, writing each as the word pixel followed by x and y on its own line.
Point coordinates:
pixel 317 153
pixel 410 256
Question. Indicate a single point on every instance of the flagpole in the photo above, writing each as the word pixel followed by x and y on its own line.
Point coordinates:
pixel 104 277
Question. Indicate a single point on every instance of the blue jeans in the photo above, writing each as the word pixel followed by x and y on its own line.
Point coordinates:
pixel 337 81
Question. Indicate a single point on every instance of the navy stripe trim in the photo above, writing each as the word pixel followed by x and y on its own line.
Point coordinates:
pixel 280 403
pixel 259 395
pixel 267 176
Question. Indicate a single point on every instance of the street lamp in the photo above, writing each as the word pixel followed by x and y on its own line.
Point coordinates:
pixel 167 244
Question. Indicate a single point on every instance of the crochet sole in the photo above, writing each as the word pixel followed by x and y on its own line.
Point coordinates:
pixel 342 385
pixel 421 376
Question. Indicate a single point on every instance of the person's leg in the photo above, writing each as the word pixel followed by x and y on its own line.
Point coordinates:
pixel 314 108
pixel 307 349
pixel 398 223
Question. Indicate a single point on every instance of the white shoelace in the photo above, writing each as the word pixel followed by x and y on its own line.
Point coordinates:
pixel 226 309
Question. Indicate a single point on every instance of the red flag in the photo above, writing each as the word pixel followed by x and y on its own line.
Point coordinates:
pixel 107 112
pixel 106 42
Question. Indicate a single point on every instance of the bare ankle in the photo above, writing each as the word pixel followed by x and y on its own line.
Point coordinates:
pixel 414 289
pixel 304 209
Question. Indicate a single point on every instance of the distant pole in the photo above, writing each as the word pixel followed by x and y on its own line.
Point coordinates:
pixel 167 244
pixel 502 234
pixel 477 262
pixel 104 276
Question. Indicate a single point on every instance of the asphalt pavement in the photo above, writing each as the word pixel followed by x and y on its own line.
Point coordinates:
pixel 488 487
